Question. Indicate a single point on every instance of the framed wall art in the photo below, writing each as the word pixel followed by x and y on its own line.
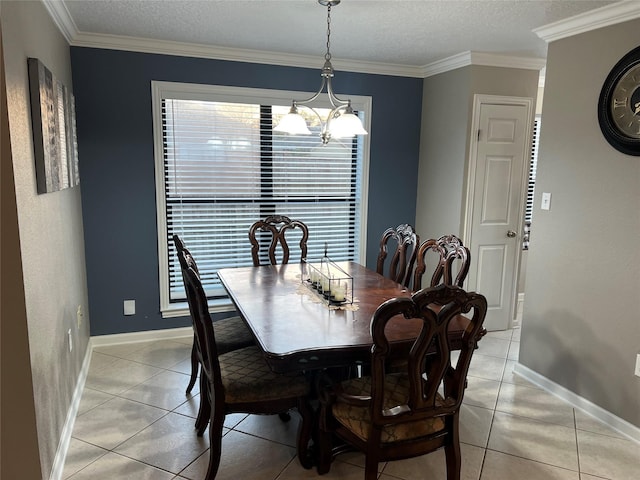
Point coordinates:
pixel 53 121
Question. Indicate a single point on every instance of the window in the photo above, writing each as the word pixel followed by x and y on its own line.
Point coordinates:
pixel 531 186
pixel 220 167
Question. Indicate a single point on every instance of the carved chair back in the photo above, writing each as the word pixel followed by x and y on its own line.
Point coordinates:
pixel 204 333
pixel 423 399
pixel 239 382
pixel 273 230
pixel 448 257
pixel 403 259
pixel 390 416
pixel 231 332
pixel 184 255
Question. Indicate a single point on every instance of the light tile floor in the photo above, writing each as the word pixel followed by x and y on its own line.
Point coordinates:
pixel 135 422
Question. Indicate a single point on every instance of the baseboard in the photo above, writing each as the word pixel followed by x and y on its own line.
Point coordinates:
pixel 625 428
pixel 519 307
pixel 148 335
pixel 67 430
pixel 101 340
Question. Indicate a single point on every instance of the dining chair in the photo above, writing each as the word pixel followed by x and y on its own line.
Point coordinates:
pixel 272 231
pixel 231 333
pixel 446 256
pixel 240 381
pixel 401 264
pixel 392 416
pixel 449 261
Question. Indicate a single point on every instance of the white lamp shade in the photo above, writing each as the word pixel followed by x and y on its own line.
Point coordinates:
pixel 293 123
pixel 346 125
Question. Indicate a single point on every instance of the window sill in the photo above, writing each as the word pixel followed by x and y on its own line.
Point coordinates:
pixel 181 309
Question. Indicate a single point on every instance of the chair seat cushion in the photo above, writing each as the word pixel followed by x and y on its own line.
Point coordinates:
pixel 246 377
pixel 358 419
pixel 231 334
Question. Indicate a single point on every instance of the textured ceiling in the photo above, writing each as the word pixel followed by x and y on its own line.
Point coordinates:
pixel 396 32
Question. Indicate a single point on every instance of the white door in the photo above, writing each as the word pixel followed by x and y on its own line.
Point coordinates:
pixel 495 202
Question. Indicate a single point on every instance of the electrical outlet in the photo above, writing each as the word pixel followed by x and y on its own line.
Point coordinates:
pixel 129 307
pixel 637 365
pixel 70 340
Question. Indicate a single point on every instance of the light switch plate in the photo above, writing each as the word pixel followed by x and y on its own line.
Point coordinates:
pixel 546 201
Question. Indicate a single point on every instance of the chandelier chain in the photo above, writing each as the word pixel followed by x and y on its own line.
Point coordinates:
pixel 327 56
pixel 341 121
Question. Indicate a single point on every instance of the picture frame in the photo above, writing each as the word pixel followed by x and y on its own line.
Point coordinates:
pixel 53 121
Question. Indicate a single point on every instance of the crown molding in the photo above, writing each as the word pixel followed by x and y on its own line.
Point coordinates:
pixel 465 59
pixel 602 17
pixel 60 15
pixel 507 61
pixel 451 63
pixel 164 47
pixel 592 20
pixel 62 18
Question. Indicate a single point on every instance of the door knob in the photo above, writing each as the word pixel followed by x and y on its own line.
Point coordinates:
pixel 511 233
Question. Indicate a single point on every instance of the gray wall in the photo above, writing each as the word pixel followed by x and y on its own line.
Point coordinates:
pixel 443 152
pixel 447 106
pixel 18 434
pixel 51 238
pixel 581 326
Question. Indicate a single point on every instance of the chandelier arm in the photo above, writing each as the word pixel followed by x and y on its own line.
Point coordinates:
pixel 341 112
pixel 335 101
pixel 325 133
pixel 322 122
pixel 313 97
pixel 333 114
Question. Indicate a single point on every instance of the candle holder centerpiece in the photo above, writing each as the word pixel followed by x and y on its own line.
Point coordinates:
pixel 329 280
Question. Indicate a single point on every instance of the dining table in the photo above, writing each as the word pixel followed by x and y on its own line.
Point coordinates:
pixel 299 330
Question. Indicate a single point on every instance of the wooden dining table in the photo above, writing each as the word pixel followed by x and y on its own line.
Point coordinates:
pixel 297 330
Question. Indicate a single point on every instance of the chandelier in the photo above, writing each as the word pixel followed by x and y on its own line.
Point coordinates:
pixel 341 121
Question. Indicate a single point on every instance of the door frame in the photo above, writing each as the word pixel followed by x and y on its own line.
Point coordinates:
pixel 467 233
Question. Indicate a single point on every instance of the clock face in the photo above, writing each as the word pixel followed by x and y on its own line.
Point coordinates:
pixel 619 105
pixel 625 103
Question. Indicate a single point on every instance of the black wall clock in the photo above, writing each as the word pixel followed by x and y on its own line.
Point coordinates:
pixel 619 104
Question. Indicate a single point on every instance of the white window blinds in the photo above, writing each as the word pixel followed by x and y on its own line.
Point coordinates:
pixel 531 186
pixel 223 168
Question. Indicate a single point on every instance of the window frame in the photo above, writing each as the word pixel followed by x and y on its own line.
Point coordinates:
pixel 219 93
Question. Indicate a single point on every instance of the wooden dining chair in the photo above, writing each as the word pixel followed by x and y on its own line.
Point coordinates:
pixel 231 333
pixel 392 416
pixel 273 231
pixel 240 381
pixel 401 263
pixel 444 256
pixel 449 261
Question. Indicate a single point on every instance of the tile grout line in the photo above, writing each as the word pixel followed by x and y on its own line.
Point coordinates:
pixel 575 433
pixel 483 464
pixel 117 395
pixel 493 417
pixel 487 449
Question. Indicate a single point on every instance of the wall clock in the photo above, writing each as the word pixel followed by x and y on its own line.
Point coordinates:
pixel 619 104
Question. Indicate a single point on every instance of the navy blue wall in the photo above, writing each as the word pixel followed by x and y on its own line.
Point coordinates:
pixel 115 144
